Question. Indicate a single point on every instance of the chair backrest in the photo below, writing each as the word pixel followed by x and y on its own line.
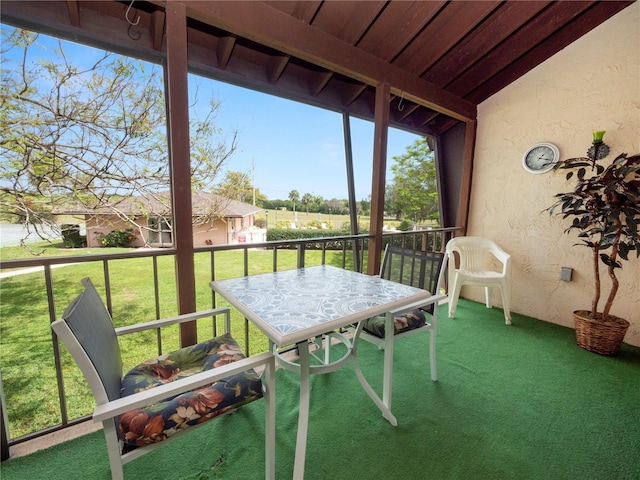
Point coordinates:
pixel 86 329
pixel 413 267
pixel 471 251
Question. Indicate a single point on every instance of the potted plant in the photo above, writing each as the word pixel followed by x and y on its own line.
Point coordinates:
pixel 604 208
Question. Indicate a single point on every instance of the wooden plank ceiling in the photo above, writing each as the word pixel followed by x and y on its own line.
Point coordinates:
pixel 440 58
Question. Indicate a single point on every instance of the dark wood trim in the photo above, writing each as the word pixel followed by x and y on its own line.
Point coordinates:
pixel 462 219
pixel 318 81
pixel 74 13
pixel 276 66
pixel 268 26
pixel 351 94
pixel 177 97
pixel 378 177
pixel 223 52
pixel 157 29
pixel 561 38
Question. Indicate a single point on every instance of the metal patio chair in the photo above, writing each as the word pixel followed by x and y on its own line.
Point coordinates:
pixel 419 269
pixel 160 398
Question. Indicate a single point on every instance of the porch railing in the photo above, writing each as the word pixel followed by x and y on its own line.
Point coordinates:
pixel 346 251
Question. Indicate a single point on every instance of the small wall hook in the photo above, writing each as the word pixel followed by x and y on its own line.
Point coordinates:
pixel 400 106
pixel 127 14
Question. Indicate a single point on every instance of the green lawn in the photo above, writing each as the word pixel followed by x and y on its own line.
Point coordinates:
pixel 337 221
pixel 26 351
pixel 277 216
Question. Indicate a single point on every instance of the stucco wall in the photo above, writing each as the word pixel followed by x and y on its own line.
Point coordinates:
pixel 215 234
pixel 102 225
pixel 593 84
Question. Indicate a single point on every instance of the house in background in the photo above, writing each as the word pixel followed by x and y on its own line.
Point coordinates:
pixel 216 220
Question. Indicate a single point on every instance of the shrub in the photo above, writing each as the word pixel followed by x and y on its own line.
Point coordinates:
pixel 405 226
pixel 117 238
pixel 316 224
pixel 279 235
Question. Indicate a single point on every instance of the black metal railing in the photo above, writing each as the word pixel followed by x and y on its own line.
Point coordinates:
pixel 213 262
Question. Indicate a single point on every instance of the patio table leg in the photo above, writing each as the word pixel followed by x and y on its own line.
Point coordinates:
pixel 303 415
pixel 383 404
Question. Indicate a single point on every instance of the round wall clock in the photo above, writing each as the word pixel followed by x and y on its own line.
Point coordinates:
pixel 540 158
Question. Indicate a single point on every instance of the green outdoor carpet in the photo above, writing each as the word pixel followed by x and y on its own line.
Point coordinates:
pixel 512 402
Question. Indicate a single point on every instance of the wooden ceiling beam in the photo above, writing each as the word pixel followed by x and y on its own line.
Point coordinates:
pixel 266 25
pixel 103 25
pixel 157 28
pixel 406 111
pixel 276 66
pixel 304 11
pixel 223 52
pixel 545 24
pixel 417 120
pixel 447 29
pixel 351 94
pixel 74 13
pixel 443 127
pixel 318 81
pixel 483 39
pixel 398 23
pixel 431 117
pixel 359 19
pixel 570 32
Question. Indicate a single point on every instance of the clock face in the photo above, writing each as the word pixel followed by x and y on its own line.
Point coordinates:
pixel 540 158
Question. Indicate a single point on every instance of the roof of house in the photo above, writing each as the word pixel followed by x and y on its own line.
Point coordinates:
pixel 159 205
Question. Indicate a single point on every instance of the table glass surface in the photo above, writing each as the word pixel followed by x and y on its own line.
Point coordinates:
pixel 292 305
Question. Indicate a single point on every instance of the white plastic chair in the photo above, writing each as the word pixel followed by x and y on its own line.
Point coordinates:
pixel 473 269
pixel 135 409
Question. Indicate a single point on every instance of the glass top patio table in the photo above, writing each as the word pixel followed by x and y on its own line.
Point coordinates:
pixel 292 306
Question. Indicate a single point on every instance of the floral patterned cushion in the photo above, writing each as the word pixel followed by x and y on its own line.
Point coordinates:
pixel 155 423
pixel 401 323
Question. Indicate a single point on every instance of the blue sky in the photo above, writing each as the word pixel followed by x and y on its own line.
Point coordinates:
pixel 297 146
pixel 291 145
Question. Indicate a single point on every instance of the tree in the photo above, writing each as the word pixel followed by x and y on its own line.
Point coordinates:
pixel 365 205
pixel 89 135
pixel 413 190
pixel 307 200
pixel 294 196
pixel 337 207
pixel 236 186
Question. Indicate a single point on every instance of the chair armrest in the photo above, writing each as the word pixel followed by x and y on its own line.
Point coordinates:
pixel 503 257
pixel 433 299
pixel 499 253
pixel 187 317
pixel 154 395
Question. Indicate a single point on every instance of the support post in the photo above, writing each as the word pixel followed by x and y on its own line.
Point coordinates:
pixel 353 214
pixel 177 98
pixel 462 219
pixel 378 177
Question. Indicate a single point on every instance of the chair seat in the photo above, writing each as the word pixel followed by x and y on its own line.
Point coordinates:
pixel 157 422
pixel 401 323
pixel 480 275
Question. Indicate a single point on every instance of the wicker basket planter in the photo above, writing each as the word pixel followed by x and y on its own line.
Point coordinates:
pixel 597 336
